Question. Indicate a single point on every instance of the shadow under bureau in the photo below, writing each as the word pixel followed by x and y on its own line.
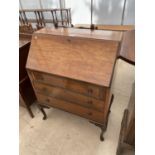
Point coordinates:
pixel 71 69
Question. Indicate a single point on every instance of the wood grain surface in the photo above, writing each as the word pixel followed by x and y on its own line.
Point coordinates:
pixel 23 43
pixel 72 108
pixel 107 27
pixel 75 53
pixel 71 85
pixel 69 96
pixel 83 33
pixel 25 37
pixel 127 50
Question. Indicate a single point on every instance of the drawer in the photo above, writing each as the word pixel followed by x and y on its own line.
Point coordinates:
pixel 69 96
pixel 72 108
pixel 73 85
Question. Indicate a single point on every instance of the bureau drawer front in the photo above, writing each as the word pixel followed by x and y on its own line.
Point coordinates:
pixel 69 96
pixel 73 85
pixel 72 108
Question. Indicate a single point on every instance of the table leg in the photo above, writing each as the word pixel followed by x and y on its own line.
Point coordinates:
pixel 104 126
pixel 43 112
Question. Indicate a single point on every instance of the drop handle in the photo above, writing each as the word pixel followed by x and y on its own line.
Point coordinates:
pixel 68 40
pixel 90 113
pixel 90 102
pixel 41 78
pixel 44 89
pixel 90 91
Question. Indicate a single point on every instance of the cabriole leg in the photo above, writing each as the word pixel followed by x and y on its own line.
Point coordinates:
pixel 103 127
pixel 43 112
pixel 30 112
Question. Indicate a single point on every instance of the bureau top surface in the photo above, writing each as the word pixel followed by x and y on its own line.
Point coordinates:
pixel 23 42
pixel 83 55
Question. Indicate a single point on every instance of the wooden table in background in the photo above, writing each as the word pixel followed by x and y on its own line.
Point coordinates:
pixel 106 27
pixel 127 48
pixel 26 93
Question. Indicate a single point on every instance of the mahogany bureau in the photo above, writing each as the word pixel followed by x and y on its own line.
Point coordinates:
pixel 71 69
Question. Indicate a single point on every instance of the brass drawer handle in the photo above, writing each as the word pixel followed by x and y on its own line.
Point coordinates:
pixel 44 89
pixel 90 113
pixel 68 40
pixel 90 91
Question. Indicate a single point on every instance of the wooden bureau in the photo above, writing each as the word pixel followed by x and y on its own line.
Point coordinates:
pixel 71 69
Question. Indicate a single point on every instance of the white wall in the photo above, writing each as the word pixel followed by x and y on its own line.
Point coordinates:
pixel 107 12
pixel 48 4
pixel 37 4
pixel 80 11
pixel 129 16
pixel 30 4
